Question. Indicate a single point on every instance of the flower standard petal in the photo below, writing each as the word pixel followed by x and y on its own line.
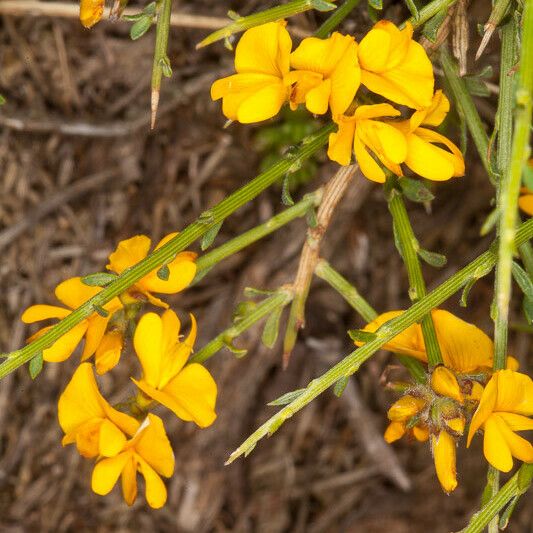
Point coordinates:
pixel 147 342
pixel 515 392
pixel 73 292
pixel 181 272
pixel 263 104
pixel 107 471
pixel 128 253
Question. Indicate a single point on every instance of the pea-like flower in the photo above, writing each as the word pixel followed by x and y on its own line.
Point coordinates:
pixel 72 293
pixel 464 347
pixel 188 391
pixel 395 66
pixel 326 74
pixel 91 12
pixel 257 91
pixel 363 133
pixel 424 157
pixel 147 452
pixel 89 421
pixel 504 408
pixel 180 271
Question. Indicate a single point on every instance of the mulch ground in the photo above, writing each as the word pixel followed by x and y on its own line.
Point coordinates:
pixel 80 170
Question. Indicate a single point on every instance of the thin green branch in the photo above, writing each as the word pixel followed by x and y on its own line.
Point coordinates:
pixel 279 299
pixel 269 15
pixel 351 363
pixel 428 11
pixel 207 261
pixel 408 247
pixel 167 252
pixel 336 18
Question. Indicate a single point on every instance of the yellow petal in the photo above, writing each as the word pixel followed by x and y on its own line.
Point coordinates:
pixel 147 342
pixel 367 165
pixel 526 203
pixel 108 352
pixel 264 49
pixel 91 12
pixel 128 253
pixel 153 446
pixel 86 437
pixel 456 424
pixel 73 292
pixel 386 141
pixel 375 111
pixel 437 111
pixel 517 422
pixel 317 99
pixel 156 492
pixel 374 49
pixel 263 104
pixel 35 313
pixel 394 432
pixel 181 272
pixel 515 392
pixel 484 409
pixel 107 471
pixel 444 383
pixel 63 348
pixel 341 143
pixel 495 447
pixel 404 408
pixel 96 326
pixel 476 392
pixel 427 160
pixel 520 447
pixel 455 157
pixel 421 433
pixel 111 439
pixel 443 447
pixel 129 482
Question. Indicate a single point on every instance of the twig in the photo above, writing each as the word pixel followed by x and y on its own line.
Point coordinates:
pixel 333 192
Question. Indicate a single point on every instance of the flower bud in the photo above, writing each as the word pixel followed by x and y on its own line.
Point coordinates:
pixel 444 383
pixel 394 432
pixel 406 407
pixel 443 448
pixel 421 433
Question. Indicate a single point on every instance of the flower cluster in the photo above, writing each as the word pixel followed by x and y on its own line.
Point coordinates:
pixel 326 74
pixel 129 439
pixel 463 390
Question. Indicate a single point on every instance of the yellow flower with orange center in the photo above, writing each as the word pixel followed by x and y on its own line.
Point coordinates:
pixel 395 66
pixel 180 271
pixel 257 91
pixel 188 390
pixel 326 74
pixel 364 134
pixel 72 293
pixel 149 453
pixel 505 407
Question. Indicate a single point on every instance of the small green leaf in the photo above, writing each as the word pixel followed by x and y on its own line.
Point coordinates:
pixel 358 335
pixel 252 292
pixel 286 197
pixel 36 365
pixel 525 477
pixel 524 281
pixel 432 26
pixel 163 273
pixel 270 333
pixel 463 302
pixel 150 9
pixel 376 4
pixel 101 311
pixel 206 218
pixel 242 309
pixel 490 222
pixel 476 86
pixel 210 235
pixel 99 279
pixel 310 217
pixel 164 63
pixel 233 15
pixel 340 385
pixel 527 306
pixel 237 352
pixel 323 5
pixel 415 190
pixel 432 258
pixel 507 512
pixel 286 398
pixel 139 28
pixel 2 100
pixel 133 18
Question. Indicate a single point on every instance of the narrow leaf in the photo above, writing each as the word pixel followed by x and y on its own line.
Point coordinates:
pixel 361 336
pixel 101 311
pixel 340 385
pixel 376 4
pixel 36 365
pixel 507 512
pixel 323 5
pixel 139 28
pixel 415 190
pixel 527 306
pixel 99 279
pixel 210 236
pixel 524 281
pixel 286 197
pixel 432 258
pixel 286 398
pixel 432 26
pixel 270 333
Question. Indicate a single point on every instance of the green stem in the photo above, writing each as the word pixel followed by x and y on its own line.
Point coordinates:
pixel 428 11
pixel 207 261
pixel 280 299
pixel 338 282
pixel 464 101
pixel 161 63
pixel 516 486
pixel 269 15
pixel 510 187
pixel 167 252
pixel 351 363
pixel 336 18
pixel 408 246
pixel 326 272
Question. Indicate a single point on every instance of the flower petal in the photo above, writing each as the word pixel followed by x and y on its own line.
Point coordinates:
pixel 35 313
pixel 455 157
pixel 366 162
pixel 153 446
pixel 111 439
pixel 91 12
pixel 341 143
pixel 63 347
pixel 263 104
pixel 155 490
pixel 181 272
pixel 443 447
pixel 495 447
pixel 108 352
pixel 96 326
pixel 128 253
pixel 147 342
pixel 484 409
pixel 73 292
pixel 427 160
pixel 107 471
pixel 317 99
pixel 129 482
pixel 394 432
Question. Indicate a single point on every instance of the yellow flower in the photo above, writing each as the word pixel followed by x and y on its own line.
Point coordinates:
pixel 327 74
pixel 257 91
pixel 443 448
pixel 72 293
pixel 504 408
pixel 423 156
pixel 444 383
pixel 525 201
pixel 406 407
pixel 148 453
pixel 395 66
pixel 188 391
pixel 88 420
pixel 181 269
pixel 464 347
pixel 363 133
pixel 108 352
pixel 91 12
pixel 396 430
